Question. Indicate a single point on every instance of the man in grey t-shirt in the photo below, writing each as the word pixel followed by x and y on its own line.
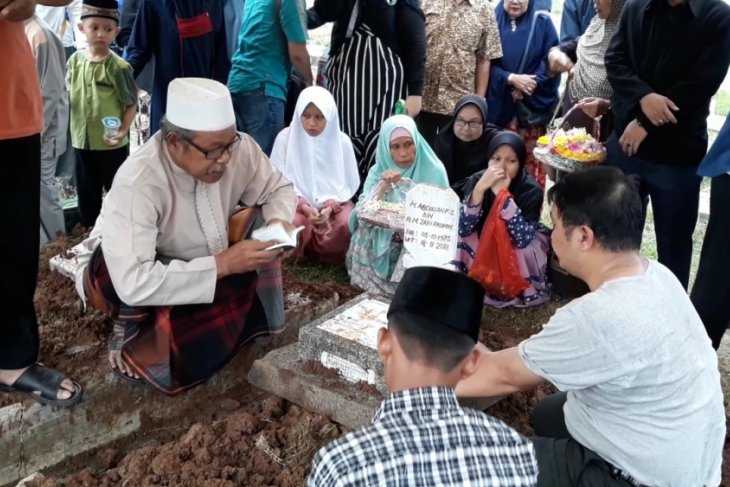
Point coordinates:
pixel 641 401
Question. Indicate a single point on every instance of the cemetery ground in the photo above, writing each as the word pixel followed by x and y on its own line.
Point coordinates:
pixel 226 432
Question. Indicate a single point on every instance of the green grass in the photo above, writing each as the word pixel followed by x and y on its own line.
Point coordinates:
pixel 649 249
pixel 723 103
pixel 706 182
pixel 317 272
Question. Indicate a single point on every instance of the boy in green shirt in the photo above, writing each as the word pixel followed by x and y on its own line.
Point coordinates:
pixel 103 92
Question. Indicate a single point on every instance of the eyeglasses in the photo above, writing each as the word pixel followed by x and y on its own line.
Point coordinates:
pixel 217 153
pixel 473 124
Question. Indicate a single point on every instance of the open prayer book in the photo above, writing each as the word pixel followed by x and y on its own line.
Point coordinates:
pixel 285 240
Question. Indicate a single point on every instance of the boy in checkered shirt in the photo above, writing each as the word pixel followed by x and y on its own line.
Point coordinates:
pixel 420 435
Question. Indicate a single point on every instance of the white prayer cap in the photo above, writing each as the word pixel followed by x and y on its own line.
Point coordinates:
pixel 199 104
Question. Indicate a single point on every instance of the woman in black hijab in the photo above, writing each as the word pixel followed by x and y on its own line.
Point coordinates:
pixel 531 239
pixel 462 144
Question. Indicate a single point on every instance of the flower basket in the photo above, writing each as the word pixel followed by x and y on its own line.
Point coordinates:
pixel 572 145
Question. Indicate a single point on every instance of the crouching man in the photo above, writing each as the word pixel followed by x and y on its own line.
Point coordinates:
pixel 158 259
pixel 641 402
pixel 420 435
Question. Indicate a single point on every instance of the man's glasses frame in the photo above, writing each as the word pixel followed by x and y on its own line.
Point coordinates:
pixel 217 153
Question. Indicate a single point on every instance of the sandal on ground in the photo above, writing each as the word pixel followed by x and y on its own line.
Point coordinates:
pixel 42 384
pixel 128 378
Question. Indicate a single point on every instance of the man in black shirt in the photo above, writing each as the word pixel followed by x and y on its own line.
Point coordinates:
pixel 665 62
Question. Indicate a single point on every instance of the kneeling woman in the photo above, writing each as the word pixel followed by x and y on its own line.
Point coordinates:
pixel 375 251
pixel 318 158
pixel 521 212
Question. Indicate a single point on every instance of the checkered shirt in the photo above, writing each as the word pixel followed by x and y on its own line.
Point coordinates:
pixel 422 437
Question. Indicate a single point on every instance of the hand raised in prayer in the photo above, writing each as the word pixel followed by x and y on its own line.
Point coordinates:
pixel 391 176
pixel 659 109
pixel 16 10
pixel 245 256
pixel 558 61
pixel 594 107
pixel 491 176
pixel 524 82
pixel 633 136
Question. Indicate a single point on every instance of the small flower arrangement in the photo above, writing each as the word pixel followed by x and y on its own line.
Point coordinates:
pixel 575 144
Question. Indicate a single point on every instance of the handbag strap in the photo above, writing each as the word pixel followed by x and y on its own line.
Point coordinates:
pixel 595 130
pixel 559 105
pixel 523 61
pixel 353 19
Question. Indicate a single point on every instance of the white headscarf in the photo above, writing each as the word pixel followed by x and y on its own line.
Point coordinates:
pixel 324 167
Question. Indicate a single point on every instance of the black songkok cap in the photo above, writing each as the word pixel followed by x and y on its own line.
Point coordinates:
pixel 108 9
pixel 442 297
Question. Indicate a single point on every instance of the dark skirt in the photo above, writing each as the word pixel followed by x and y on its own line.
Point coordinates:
pixel 177 347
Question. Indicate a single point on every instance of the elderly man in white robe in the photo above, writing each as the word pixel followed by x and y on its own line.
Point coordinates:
pixel 184 292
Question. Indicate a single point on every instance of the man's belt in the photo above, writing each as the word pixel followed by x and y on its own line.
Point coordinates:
pixel 619 474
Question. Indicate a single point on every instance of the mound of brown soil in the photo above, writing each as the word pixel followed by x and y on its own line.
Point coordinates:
pixel 268 443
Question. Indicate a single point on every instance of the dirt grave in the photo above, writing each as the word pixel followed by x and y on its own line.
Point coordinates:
pixel 266 443
pixel 247 438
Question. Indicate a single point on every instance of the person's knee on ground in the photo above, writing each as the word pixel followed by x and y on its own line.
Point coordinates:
pixel 548 419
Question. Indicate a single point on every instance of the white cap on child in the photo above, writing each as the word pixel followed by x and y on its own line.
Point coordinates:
pixel 199 104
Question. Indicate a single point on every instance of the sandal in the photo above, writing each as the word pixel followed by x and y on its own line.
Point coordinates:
pixel 128 378
pixel 116 343
pixel 43 384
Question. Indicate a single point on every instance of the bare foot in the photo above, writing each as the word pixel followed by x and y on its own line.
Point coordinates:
pixel 116 362
pixel 8 378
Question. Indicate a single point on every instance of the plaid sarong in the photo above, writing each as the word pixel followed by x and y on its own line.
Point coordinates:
pixel 177 347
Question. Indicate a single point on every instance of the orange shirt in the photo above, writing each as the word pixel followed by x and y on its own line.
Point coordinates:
pixel 21 110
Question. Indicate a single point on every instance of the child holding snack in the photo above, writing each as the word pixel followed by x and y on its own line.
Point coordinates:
pixel 103 104
pixel 318 158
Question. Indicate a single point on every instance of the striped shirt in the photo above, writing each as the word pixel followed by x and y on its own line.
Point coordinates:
pixel 423 437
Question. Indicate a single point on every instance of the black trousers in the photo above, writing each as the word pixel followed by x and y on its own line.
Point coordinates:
pixel 429 125
pixel 562 461
pixel 675 198
pixel 95 172
pixel 20 173
pixel 711 294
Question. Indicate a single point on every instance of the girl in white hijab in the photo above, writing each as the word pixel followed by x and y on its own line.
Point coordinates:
pixel 319 159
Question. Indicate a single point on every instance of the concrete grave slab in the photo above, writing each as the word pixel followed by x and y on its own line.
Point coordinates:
pixel 281 372
pixel 345 340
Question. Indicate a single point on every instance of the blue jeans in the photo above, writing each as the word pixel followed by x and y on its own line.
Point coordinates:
pixel 260 116
pixel 675 197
